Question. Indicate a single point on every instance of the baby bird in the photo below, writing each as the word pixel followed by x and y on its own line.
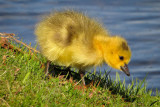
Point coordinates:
pixel 72 39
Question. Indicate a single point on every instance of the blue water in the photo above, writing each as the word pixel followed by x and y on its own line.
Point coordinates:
pixel 137 20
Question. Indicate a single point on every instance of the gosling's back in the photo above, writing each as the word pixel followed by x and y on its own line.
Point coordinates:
pixel 67 38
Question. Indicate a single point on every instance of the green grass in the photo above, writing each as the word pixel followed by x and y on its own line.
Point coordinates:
pixel 23 83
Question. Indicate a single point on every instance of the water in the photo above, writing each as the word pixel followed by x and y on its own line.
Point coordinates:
pixel 137 20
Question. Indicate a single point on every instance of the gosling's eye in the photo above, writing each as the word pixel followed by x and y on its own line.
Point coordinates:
pixel 121 57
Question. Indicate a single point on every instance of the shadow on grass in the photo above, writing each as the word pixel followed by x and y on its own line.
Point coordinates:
pixel 102 81
pixel 65 72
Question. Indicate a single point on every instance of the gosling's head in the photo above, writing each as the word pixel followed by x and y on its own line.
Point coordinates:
pixel 118 54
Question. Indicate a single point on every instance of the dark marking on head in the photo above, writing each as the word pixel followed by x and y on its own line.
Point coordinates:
pixel 124 46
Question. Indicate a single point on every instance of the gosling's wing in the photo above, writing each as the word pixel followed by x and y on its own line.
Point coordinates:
pixel 64 28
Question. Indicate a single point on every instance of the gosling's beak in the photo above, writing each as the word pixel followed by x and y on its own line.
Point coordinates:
pixel 125 69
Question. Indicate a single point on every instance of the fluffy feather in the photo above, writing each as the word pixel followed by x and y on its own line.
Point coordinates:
pixel 70 38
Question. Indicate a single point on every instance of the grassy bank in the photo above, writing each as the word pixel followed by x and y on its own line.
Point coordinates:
pixel 23 83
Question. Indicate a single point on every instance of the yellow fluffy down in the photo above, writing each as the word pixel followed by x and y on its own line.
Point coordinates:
pixel 70 38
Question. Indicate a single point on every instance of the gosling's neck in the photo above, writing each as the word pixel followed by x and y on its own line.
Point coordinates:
pixel 103 45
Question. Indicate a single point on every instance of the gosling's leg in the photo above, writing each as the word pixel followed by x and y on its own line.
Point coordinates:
pixel 82 73
pixel 47 67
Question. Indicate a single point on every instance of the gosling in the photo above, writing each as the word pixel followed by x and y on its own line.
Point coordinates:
pixel 72 39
